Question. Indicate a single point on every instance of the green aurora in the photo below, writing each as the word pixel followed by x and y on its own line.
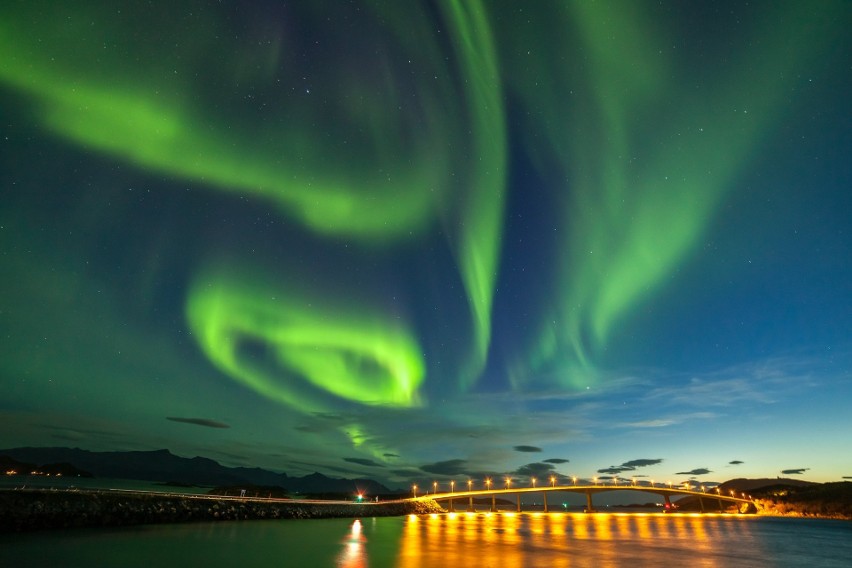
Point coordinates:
pixel 147 120
pixel 636 210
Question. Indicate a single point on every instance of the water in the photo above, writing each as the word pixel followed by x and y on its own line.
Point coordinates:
pixel 553 540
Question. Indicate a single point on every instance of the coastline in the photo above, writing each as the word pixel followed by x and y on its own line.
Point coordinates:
pixel 800 515
pixel 26 510
pixel 39 509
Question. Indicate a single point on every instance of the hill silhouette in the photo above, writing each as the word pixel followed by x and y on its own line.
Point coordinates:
pixel 163 466
pixel 783 496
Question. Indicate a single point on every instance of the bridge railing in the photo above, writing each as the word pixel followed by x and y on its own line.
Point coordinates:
pixel 589 490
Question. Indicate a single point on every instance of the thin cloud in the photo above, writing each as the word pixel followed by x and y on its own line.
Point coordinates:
pixel 736 462
pixel 629 466
pixel 69 437
pixel 798 471
pixel 669 421
pixel 697 471
pixel 206 422
pixel 362 461
pixel 642 463
pixel 759 382
pixel 556 460
pixel 448 467
pixel 651 423
pixel 529 449
pixel 538 469
pixel 407 473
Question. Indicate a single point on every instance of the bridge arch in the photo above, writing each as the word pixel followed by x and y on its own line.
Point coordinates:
pixel 706 500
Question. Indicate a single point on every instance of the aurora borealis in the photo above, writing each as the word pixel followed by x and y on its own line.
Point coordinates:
pixel 405 239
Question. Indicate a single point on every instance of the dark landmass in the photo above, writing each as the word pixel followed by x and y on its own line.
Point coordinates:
pixel 788 497
pixel 12 467
pixel 833 500
pixel 749 486
pixel 164 467
pixel 29 510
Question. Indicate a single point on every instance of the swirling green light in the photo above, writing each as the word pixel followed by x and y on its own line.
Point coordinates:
pixel 481 211
pixel 301 350
pixel 636 208
pixel 377 155
pixel 157 120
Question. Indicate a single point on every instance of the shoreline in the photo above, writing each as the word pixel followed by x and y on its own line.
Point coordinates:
pixel 26 510
pixel 29 510
pixel 794 515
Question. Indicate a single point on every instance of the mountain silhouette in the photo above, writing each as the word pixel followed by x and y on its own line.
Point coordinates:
pixel 164 466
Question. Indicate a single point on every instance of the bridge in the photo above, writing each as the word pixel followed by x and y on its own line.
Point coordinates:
pixel 714 500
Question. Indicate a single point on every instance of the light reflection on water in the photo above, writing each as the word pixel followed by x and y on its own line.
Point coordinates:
pixel 353 554
pixel 574 540
pixel 552 540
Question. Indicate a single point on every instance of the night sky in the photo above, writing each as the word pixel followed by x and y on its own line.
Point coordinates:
pixel 416 241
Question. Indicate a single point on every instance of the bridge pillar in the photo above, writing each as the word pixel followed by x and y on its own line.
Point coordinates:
pixel 721 508
pixel 519 502
pixel 701 504
pixel 589 507
pixel 452 509
pixel 545 501
pixel 493 503
pixel 668 502
pixel 470 504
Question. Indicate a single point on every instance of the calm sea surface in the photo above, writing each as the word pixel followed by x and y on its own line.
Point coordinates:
pixel 529 539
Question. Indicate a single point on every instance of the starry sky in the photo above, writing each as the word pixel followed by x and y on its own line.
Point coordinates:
pixel 431 240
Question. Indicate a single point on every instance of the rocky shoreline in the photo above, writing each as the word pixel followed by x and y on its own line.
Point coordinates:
pixel 30 510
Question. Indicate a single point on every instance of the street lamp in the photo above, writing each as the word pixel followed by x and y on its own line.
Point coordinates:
pixel 615 480
pixel 469 484
pixel 452 485
pixel 652 483
pixel 414 489
pixel 633 481
pixel 553 480
pixel 508 481
pixel 595 480
pixel 575 480
pixel 533 481
pixel 434 487
pixel 487 483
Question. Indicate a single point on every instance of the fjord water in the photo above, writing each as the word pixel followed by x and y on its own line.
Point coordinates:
pixel 477 540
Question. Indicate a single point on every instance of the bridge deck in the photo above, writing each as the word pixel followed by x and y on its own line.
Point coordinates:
pixel 588 491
